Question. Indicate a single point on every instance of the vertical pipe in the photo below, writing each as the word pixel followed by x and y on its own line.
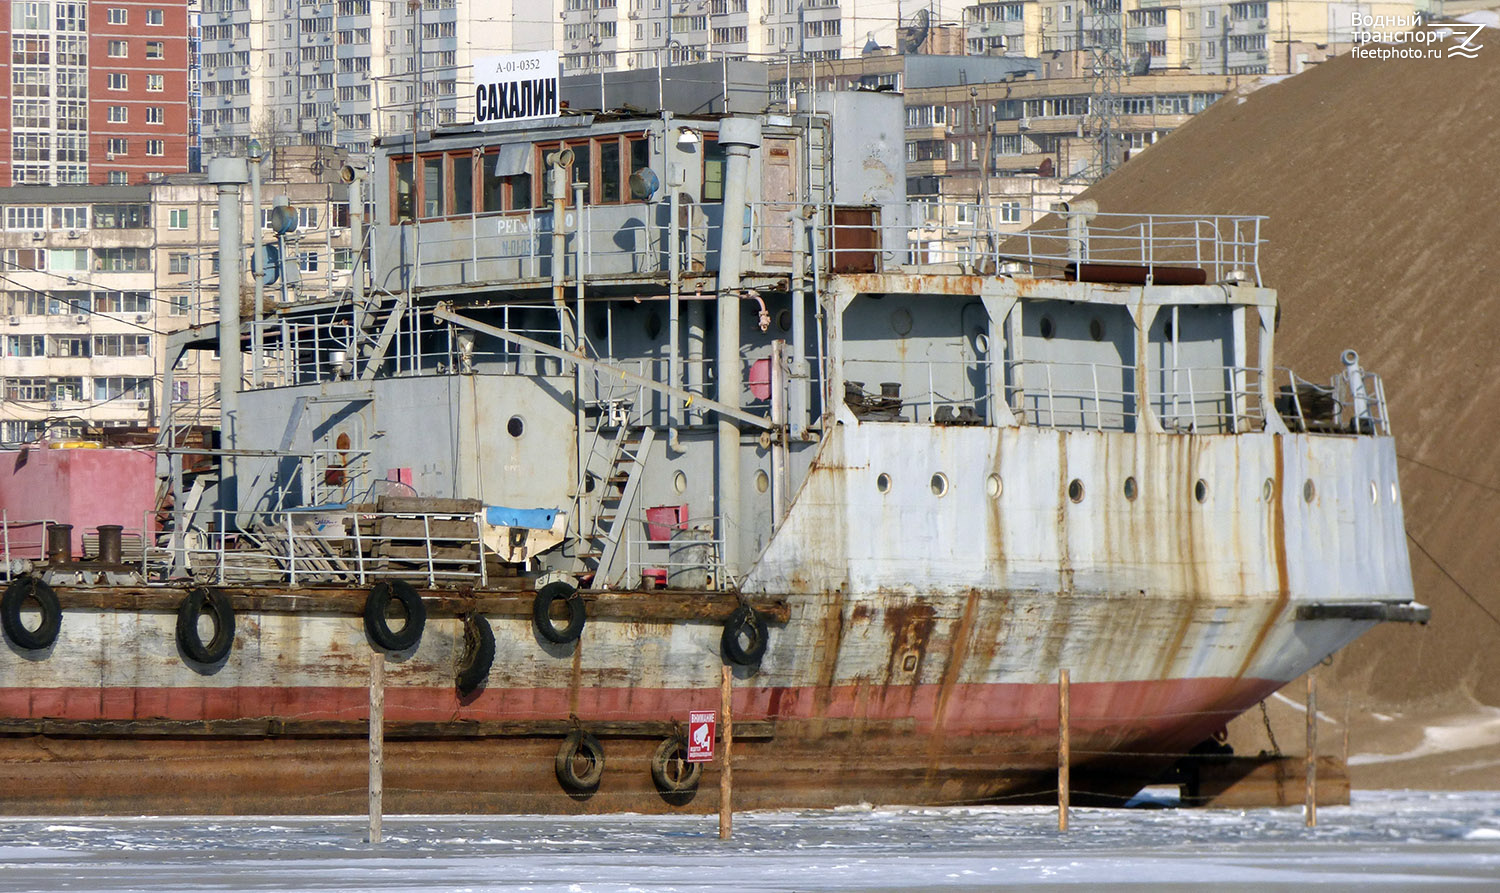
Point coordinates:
pixel 1312 752
pixel 674 287
pixel 738 136
pixel 377 742
pixel 779 482
pixel 1063 751
pixel 726 775
pixel 229 174
pixel 255 156
pixel 798 357
pixel 355 178
pixel 578 333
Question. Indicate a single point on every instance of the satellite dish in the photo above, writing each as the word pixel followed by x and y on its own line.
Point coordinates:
pixel 910 38
pixel 643 184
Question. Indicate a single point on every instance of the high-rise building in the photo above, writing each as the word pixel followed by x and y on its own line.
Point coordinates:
pixel 1205 36
pixel 341 72
pixel 93 91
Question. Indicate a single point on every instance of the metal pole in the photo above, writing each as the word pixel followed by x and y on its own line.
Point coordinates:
pixel 377 742
pixel 229 174
pixel 255 156
pixel 726 776
pixel 738 136
pixel 1063 750
pixel 1312 751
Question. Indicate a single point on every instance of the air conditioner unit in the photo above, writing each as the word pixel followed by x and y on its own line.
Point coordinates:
pixel 141 405
pixel 73 233
pixel 109 156
pixel 335 233
pixel 1260 26
pixel 633 15
pixel 15 320
pixel 81 318
pixel 140 317
pixel 764 19
pixel 37 234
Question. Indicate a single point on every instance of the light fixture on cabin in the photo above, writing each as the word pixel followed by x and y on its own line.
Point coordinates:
pixel 687 138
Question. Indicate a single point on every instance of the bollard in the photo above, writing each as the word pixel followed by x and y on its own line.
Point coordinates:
pixel 109 543
pixel 726 776
pixel 60 544
pixel 1063 745
pixel 377 742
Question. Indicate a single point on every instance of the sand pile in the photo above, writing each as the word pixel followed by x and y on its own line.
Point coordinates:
pixel 1382 183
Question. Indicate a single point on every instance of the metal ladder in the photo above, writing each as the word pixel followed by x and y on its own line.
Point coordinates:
pixel 632 446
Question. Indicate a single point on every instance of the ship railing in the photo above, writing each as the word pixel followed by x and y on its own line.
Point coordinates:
pixel 1077 395
pixel 974 238
pixel 339 475
pixel 616 401
pixel 327 546
pixel 898 390
pixel 23 542
pixel 1349 404
pixel 664 548
pixel 1209 399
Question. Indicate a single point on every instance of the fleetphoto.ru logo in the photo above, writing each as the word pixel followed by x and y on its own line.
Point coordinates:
pixel 1403 37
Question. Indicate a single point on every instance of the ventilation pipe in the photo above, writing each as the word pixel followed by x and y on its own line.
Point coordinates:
pixel 738 136
pixel 229 174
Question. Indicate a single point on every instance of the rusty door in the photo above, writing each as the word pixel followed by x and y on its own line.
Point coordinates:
pixel 778 191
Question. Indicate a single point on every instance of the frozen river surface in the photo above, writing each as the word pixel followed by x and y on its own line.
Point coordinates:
pixel 1391 840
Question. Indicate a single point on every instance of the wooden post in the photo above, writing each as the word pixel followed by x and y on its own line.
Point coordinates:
pixel 1062 750
pixel 377 742
pixel 1312 751
pixel 726 776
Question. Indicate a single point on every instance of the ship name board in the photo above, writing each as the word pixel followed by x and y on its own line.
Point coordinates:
pixel 518 87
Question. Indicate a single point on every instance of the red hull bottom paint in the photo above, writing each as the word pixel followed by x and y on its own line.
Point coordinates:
pixel 966 709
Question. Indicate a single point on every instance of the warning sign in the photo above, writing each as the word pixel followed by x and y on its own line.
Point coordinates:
pixel 701 736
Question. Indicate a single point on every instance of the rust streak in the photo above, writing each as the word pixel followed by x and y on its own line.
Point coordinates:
pixel 958 654
pixel 1278 542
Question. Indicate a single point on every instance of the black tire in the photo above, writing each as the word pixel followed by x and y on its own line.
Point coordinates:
pixel 379 628
pixel 670 770
pixel 541 613
pixel 479 654
pixel 580 747
pixel 20 591
pixel 195 605
pixel 744 622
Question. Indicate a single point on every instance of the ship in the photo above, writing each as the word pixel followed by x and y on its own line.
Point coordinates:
pixel 669 384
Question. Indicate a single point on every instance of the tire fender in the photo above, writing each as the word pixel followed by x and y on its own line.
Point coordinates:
pixel 478 655
pixel 378 628
pixel 216 604
pixel 541 613
pixel 20 591
pixel 580 762
pixel 747 624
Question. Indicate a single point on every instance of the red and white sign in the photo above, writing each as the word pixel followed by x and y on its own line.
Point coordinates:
pixel 701 736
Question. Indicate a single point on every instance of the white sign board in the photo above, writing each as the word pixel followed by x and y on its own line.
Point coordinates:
pixel 517 87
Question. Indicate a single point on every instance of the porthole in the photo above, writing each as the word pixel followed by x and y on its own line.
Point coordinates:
pixel 981 343
pixel 883 483
pixel 1200 491
pixel 1268 490
pixel 939 484
pixel 515 427
pixel 679 482
pixel 784 320
pixel 1131 490
pixel 1096 329
pixel 762 482
pixel 1075 490
pixel 1047 328
pixel 993 486
pixel 1374 494
pixel 1395 495
pixel 1309 492
pixel 901 321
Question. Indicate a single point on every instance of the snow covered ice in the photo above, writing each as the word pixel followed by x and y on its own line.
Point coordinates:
pixel 1391 840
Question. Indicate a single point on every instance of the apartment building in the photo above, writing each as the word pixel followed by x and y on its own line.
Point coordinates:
pixel 603 35
pixel 95 278
pixel 1252 37
pixel 93 91
pixel 341 72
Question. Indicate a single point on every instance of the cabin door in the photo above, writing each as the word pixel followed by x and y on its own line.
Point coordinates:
pixel 778 190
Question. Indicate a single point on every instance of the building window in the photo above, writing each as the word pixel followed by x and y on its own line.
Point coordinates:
pixel 1010 212
pixel 177 218
pixel 119 178
pixel 25 346
pixel 179 263
pixel 155 17
pixel 155 83
pixel 156 147
pixel 117 146
pixel 119 81
pixel 118 49
pixel 119 114
pixel 307 261
pixel 155 115
pixel 179 392
pixel 70 217
pixel 117 16
pixel 156 49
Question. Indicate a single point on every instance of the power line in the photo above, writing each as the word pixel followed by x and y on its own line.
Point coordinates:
pixel 1452 579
